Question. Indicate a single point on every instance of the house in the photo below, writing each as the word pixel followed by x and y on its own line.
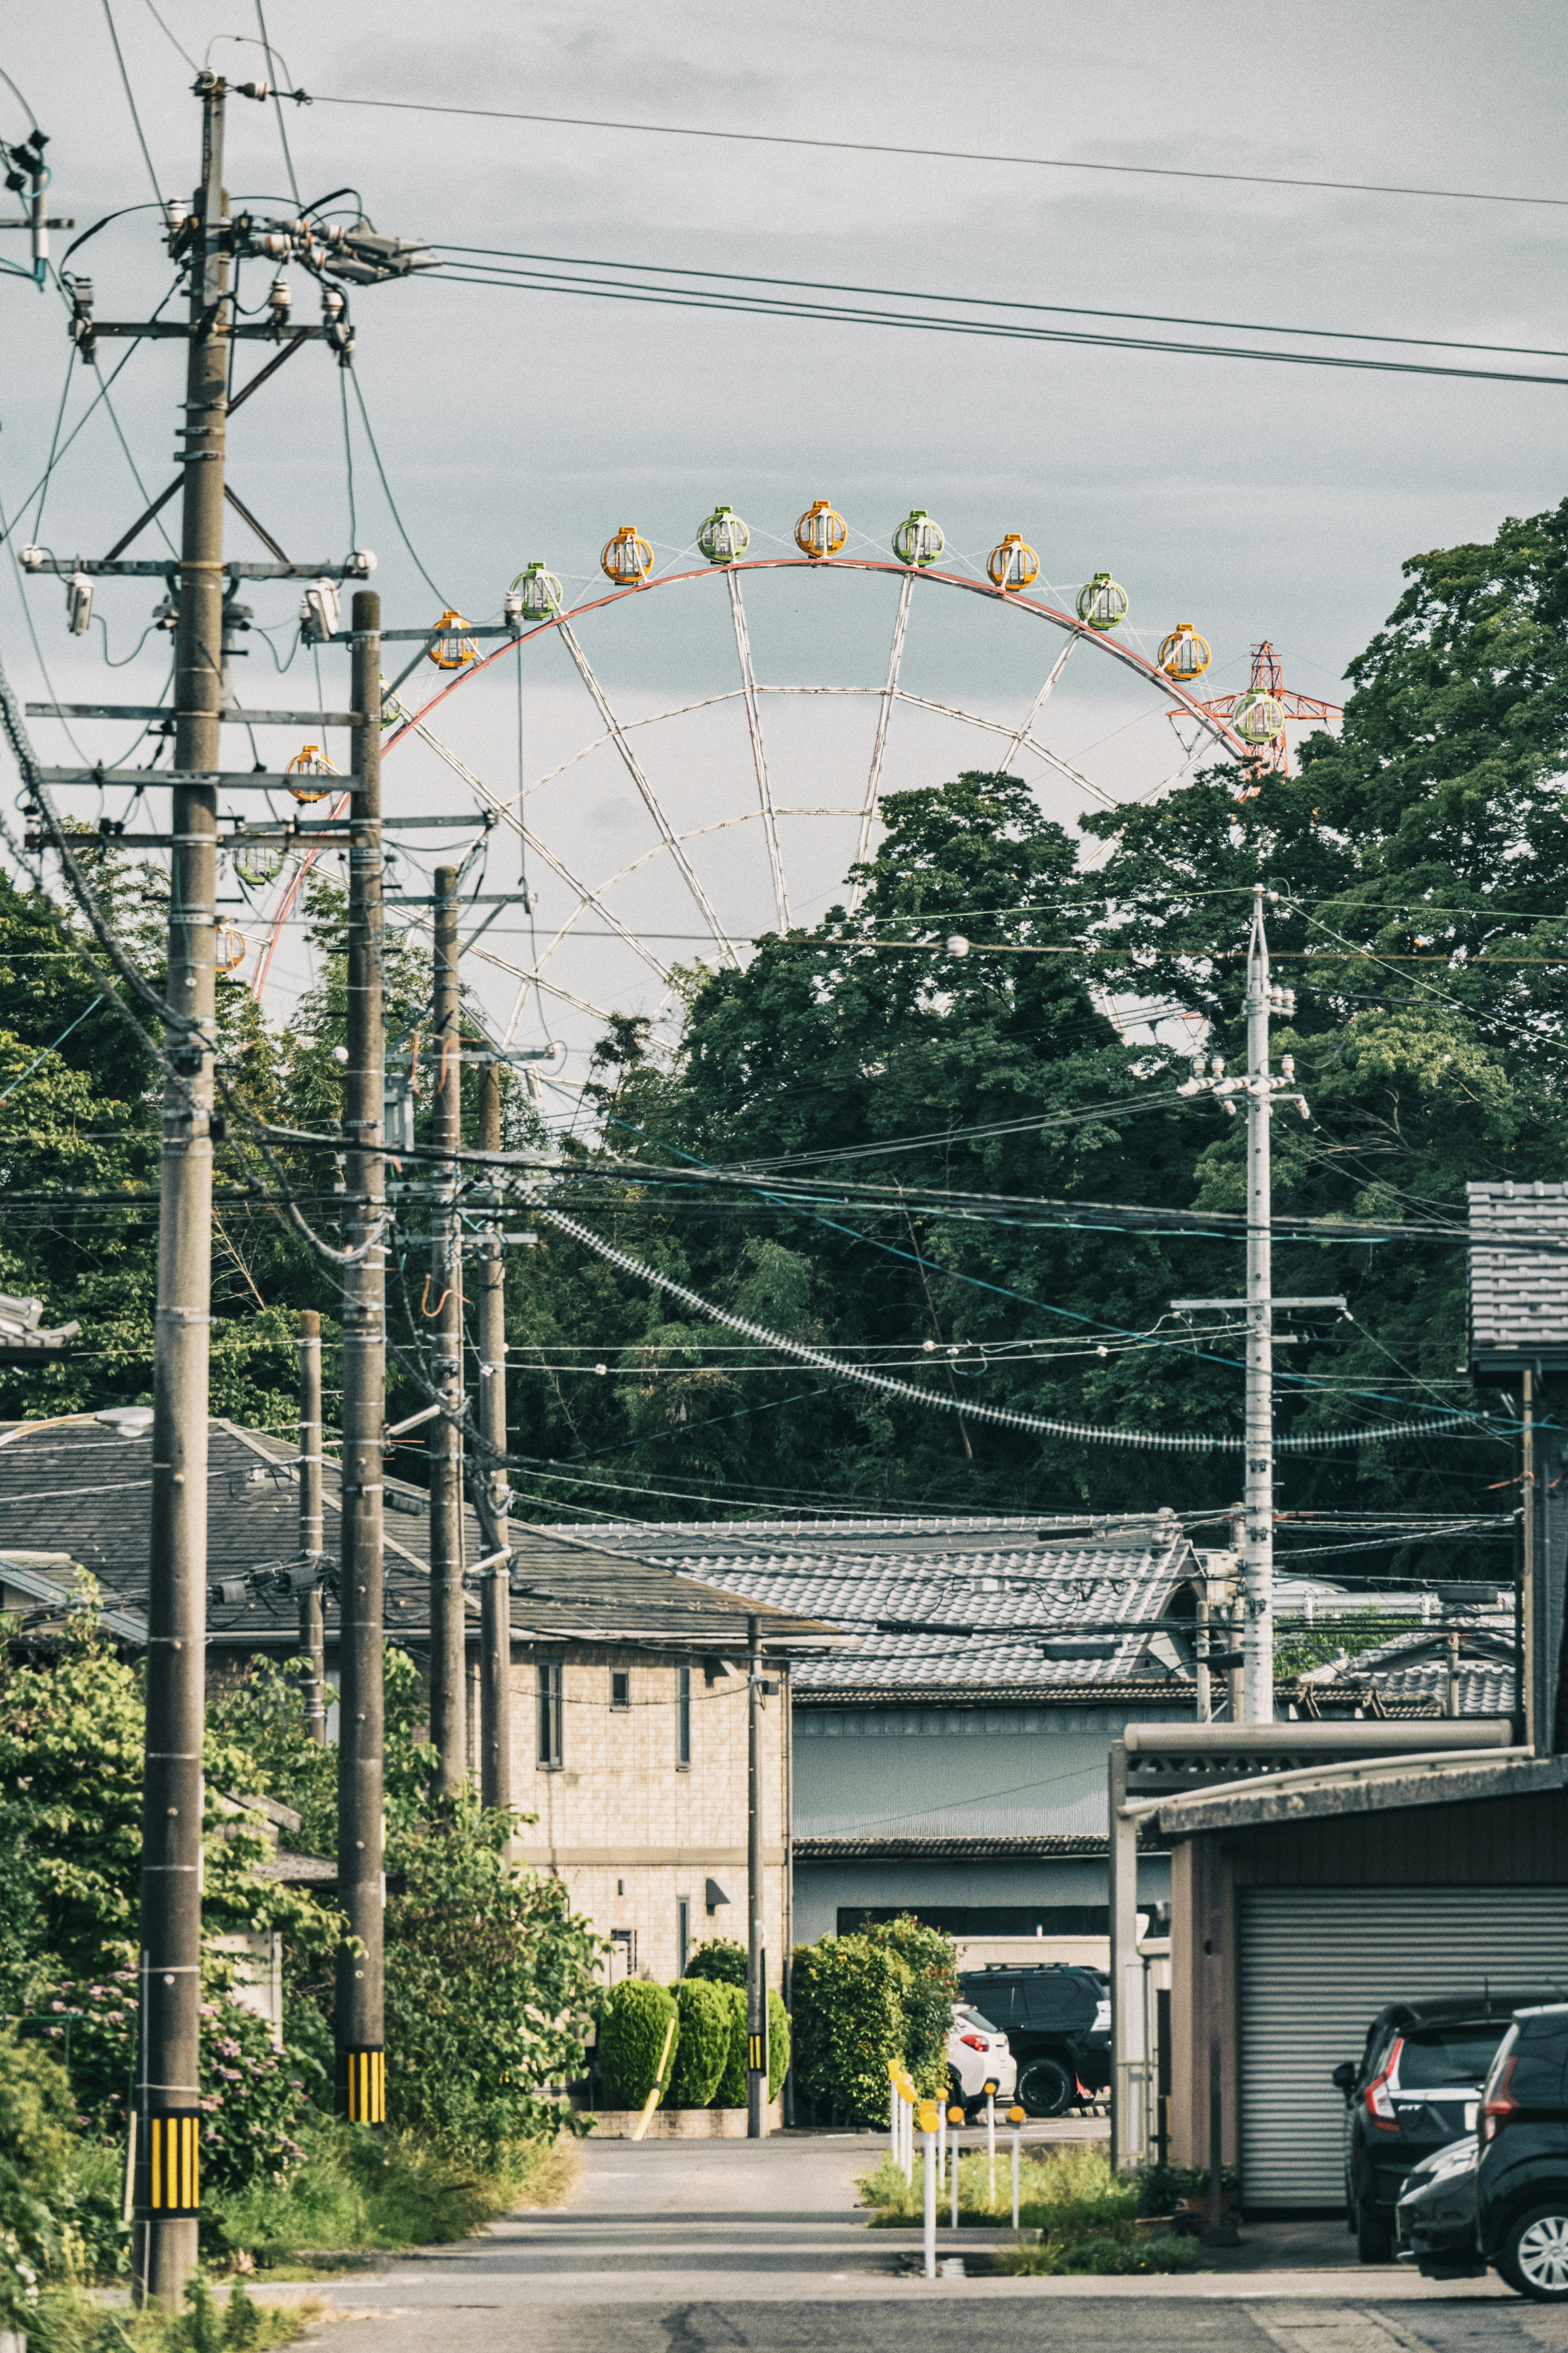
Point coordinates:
pixel 950 1759
pixel 629 1683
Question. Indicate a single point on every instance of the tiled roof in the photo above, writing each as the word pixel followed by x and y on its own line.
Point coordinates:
pixel 1094 1844
pixel 1519 1259
pixel 85 1491
pixel 1413 1667
pixel 942 1606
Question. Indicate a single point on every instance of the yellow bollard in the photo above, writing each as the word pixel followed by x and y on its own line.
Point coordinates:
pixel 928 2124
pixel 990 2141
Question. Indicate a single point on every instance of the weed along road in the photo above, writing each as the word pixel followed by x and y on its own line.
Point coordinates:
pixel 731 2244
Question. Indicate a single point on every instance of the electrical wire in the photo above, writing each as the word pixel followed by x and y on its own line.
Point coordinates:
pixel 277 104
pixel 844 314
pixel 1000 302
pixel 931 154
pixel 397 518
pixel 130 102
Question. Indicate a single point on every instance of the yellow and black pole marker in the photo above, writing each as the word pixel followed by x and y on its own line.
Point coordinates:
pixel 756 1949
pixel 363 2085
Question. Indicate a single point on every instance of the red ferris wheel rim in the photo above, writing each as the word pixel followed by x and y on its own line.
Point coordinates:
pixel 1013 598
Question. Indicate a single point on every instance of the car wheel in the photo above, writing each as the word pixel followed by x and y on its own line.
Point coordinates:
pixel 1044 2087
pixel 1534 2257
pixel 1373 2236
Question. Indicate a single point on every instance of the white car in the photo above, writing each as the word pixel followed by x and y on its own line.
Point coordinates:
pixel 977 2054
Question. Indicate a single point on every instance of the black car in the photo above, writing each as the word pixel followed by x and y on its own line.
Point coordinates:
pixel 1436 2216
pixel 1417 2087
pixel 1521 2180
pixel 1056 2019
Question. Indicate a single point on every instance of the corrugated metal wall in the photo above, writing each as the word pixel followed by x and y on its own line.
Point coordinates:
pixel 1316 1966
pixel 952 1772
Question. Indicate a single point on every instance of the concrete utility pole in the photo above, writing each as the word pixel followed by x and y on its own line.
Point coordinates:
pixel 448 1621
pixel 495 1692
pixel 312 1632
pixel 361 1822
pixel 756 1948
pixel 167 2190
pixel 1262 1091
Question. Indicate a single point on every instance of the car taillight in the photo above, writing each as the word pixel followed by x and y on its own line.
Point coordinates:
pixel 1500 2104
pixel 1379 2103
pixel 974 2042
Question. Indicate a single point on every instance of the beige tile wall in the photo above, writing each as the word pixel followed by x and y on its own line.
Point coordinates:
pixel 629 1832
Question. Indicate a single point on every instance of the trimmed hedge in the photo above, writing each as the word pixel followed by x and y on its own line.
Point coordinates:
pixel 702 2051
pixel 732 2091
pixel 721 1961
pixel 632 2027
pixel 778 2042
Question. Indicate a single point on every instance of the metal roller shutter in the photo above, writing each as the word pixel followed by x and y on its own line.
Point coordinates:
pixel 1316 1966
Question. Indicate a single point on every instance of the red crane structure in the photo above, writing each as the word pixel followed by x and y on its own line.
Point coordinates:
pixel 1258 712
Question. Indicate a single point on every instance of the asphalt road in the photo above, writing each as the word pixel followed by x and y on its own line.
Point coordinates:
pixel 680 2248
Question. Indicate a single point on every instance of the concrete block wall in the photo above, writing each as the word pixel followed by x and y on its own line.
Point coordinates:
pixel 632 1831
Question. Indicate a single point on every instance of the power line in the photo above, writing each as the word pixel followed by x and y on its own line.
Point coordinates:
pixel 995 303
pixel 842 314
pixel 131 102
pixel 931 154
pixel 392 502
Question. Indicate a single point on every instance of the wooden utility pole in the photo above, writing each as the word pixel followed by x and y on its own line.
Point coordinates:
pixel 167 2187
pixel 445 1307
pixel 312 1632
pixel 495 1689
pixel 361 1822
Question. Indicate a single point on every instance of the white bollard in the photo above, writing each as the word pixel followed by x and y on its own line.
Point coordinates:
pixel 892 2112
pixel 941 2143
pixel 1015 2118
pixel 954 2117
pixel 928 2121
pixel 991 2140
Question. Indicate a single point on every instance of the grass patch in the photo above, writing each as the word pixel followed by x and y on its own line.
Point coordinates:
pixel 360 2193
pixel 1087 2214
pixel 66 2320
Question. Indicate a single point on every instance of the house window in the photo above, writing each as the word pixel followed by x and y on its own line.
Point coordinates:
pixel 549 1715
pixel 682 1933
pixel 682 1719
pixel 620 1688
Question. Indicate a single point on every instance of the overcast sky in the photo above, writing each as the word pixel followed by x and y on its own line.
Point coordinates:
pixel 1254 500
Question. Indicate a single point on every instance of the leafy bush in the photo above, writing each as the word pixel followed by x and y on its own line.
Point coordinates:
pixel 778 2042
pixel 721 1961
pixel 37 2115
pixel 254 2098
pixel 702 2046
pixel 732 2091
pixel 489 1977
pixel 931 1960
pixel 850 2001
pixel 633 2026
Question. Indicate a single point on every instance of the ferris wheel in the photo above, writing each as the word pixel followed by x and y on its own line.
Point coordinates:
pixel 659 834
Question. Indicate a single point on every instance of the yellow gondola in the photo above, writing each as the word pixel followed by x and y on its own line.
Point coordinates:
pixel 1184 654
pixel 1013 564
pixel 820 531
pixel 627 559
pixel 453 648
pixel 311 762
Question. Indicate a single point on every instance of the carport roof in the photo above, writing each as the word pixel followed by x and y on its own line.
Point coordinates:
pixel 1365 1785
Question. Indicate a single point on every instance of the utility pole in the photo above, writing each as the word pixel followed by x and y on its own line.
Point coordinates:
pixel 167 2189
pixel 448 1621
pixel 495 1691
pixel 1262 1091
pixel 362 1821
pixel 312 1632
pixel 756 1946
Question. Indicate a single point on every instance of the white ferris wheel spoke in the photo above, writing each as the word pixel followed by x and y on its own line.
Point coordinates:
pixel 1001 727
pixel 510 816
pixel 1039 704
pixel 884 714
pixel 650 798
pixel 759 756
